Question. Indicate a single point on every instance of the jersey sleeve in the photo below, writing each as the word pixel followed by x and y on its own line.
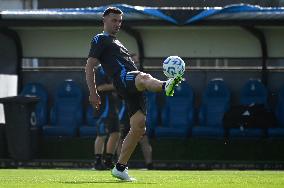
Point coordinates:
pixel 98 44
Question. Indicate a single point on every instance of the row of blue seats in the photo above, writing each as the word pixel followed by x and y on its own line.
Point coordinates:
pixel 66 113
pixel 177 113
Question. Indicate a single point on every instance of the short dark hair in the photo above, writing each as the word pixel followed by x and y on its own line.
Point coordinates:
pixel 113 10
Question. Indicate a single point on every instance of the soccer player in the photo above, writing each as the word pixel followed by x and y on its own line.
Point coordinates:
pixel 108 123
pixel 130 83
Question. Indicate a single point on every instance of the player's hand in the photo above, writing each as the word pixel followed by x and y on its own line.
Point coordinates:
pixel 95 100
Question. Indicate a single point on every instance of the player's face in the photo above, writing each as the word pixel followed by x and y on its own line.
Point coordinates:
pixel 112 23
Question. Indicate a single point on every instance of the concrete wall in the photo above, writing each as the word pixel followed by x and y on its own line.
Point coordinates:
pixel 275 41
pixel 230 42
pixel 63 42
pixel 199 42
pixel 18 4
pixel 11 4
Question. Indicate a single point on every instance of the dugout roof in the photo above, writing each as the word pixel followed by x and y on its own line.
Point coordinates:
pixel 239 14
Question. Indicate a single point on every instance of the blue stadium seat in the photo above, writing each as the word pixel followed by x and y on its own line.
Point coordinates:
pixel 253 92
pixel 36 89
pixel 66 114
pixel 177 114
pixel 152 113
pixel 246 133
pixel 215 102
pixel 278 132
pixel 89 130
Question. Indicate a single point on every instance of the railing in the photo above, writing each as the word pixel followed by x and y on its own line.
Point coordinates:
pixel 155 64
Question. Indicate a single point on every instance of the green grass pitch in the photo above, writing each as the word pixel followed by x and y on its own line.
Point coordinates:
pixel 33 178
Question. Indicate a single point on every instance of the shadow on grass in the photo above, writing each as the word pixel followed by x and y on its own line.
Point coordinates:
pixel 110 181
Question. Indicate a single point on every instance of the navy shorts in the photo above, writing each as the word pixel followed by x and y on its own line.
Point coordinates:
pixel 126 89
pixel 107 125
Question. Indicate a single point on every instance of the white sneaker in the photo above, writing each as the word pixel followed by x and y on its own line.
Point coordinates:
pixel 171 84
pixel 122 175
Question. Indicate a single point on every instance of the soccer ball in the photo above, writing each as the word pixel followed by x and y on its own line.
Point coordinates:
pixel 173 66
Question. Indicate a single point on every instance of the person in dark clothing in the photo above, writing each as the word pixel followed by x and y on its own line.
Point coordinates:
pixel 129 83
pixel 108 122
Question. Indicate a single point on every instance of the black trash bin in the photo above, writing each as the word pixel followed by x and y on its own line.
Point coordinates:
pixel 19 119
pixel 3 144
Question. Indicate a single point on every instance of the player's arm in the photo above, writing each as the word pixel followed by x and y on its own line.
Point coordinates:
pixel 94 98
pixel 98 45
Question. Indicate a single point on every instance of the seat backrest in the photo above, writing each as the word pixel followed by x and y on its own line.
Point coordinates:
pixel 183 90
pixel 38 90
pixel 178 110
pixel 68 108
pixel 152 110
pixel 215 102
pixel 253 92
pixel 279 112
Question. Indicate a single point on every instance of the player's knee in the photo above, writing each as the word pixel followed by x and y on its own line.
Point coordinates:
pixel 115 135
pixel 142 79
pixel 139 131
pixel 138 120
pixel 101 137
pixel 138 124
